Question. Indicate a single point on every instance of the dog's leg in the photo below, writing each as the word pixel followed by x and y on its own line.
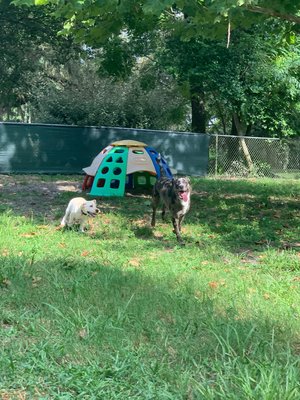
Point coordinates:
pixel 163 213
pixel 65 221
pixel 175 222
pixel 70 219
pixel 155 201
pixel 81 227
pixel 181 218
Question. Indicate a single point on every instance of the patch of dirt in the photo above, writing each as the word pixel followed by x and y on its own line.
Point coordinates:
pixel 34 195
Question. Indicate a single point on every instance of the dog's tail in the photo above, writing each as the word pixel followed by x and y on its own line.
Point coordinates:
pixel 161 168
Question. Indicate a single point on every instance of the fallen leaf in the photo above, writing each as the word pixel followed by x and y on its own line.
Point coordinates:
pixel 6 282
pixel 266 296
pixel 83 333
pixel 172 351
pixel 226 260
pixel 85 253
pixel 29 234
pixel 134 262
pixel 288 245
pixel 262 241
pixel 198 294
pixel 213 285
pixel 36 280
pixel 13 395
pixel 158 235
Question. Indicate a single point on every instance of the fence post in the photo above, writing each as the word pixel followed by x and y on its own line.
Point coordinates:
pixel 216 160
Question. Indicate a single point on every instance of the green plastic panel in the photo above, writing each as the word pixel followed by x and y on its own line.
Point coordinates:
pixel 111 175
pixel 143 180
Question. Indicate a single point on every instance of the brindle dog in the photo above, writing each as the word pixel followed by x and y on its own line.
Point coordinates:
pixel 175 196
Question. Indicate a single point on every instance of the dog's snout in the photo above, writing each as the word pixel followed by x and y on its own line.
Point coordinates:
pixel 182 187
pixel 97 211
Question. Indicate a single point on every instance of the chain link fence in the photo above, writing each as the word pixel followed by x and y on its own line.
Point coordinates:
pixel 253 156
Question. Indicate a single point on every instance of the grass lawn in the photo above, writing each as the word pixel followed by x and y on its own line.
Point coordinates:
pixel 123 312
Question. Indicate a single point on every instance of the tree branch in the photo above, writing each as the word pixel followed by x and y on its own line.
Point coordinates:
pixel 272 13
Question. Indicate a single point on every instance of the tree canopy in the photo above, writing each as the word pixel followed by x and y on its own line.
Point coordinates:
pixel 95 21
pixel 235 61
pixel 29 40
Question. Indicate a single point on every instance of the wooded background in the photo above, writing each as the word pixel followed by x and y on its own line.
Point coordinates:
pixel 220 67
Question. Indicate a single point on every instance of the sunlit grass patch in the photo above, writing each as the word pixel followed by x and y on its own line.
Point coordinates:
pixel 123 311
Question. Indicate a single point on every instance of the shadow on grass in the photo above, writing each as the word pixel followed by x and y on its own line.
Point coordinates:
pixel 238 215
pixel 183 338
pixel 250 214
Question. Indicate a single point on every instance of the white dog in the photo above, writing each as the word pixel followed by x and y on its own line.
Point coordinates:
pixel 78 212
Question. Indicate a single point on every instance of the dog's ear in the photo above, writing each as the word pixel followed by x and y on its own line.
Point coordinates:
pixel 95 202
pixel 83 206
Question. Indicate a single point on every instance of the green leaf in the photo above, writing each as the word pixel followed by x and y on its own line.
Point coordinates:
pixel 156 7
pixel 23 2
pixel 291 38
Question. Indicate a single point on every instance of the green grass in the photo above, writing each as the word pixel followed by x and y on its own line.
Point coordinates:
pixel 123 312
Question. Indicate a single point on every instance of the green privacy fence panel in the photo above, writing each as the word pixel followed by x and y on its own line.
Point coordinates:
pixel 42 148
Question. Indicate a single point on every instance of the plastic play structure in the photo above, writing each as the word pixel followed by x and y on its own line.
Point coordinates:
pixel 125 164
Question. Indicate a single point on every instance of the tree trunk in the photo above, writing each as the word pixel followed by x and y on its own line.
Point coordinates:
pixel 2 113
pixel 243 142
pixel 222 117
pixel 198 108
pixel 7 113
pixel 233 145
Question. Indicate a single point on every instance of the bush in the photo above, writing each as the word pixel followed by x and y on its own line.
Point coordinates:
pixel 90 100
